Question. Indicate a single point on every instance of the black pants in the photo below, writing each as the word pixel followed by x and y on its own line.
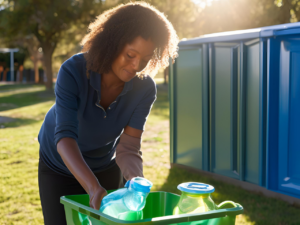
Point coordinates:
pixel 53 185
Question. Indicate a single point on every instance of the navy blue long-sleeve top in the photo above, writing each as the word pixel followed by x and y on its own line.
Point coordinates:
pixel 77 114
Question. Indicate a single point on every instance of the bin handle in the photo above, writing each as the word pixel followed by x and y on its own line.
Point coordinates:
pixel 221 205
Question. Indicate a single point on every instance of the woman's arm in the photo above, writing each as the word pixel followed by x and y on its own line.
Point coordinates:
pixel 71 155
pixel 133 132
pixel 128 154
pixel 67 92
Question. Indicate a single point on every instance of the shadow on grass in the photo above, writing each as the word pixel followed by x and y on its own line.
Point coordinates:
pixel 25 99
pixel 258 208
pixel 10 87
pixel 16 122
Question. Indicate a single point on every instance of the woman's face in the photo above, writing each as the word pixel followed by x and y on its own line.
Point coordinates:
pixel 133 58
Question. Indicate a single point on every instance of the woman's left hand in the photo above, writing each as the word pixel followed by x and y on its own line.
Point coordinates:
pixel 96 197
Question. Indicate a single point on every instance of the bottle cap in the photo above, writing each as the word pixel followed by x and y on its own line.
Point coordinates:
pixel 139 184
pixel 196 188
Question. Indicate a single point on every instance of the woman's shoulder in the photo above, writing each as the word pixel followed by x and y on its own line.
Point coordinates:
pixel 145 83
pixel 72 72
pixel 74 66
pixel 75 62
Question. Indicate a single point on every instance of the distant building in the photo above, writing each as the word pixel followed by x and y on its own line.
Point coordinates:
pixel 3 65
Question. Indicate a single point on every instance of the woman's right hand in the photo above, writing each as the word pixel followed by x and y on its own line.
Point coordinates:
pixel 72 157
pixel 96 197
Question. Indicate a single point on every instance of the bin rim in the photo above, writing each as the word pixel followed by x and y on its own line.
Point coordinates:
pixel 238 35
pixel 162 219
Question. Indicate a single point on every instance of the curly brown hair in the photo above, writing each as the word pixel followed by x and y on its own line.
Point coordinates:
pixel 115 28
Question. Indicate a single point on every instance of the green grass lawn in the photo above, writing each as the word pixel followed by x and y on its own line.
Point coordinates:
pixel 19 194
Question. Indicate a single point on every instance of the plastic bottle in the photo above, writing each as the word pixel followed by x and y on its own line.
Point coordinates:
pixel 195 198
pixel 127 203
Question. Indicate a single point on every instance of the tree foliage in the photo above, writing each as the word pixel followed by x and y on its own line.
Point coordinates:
pixel 46 20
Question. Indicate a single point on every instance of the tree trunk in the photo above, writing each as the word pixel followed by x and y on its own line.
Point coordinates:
pixel 5 74
pixel 36 71
pixel 48 50
pixel 285 16
pixel 32 45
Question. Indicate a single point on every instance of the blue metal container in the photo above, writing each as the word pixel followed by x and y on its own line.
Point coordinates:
pixel 234 106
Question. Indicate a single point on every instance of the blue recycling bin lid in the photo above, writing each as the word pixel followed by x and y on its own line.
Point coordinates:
pixel 196 188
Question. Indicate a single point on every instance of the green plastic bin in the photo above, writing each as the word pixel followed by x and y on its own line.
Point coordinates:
pixel 158 211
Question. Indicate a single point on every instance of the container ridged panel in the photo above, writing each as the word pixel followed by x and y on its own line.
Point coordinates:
pixel 222 110
pixel 294 140
pixel 189 108
pixel 252 114
pixel 289 120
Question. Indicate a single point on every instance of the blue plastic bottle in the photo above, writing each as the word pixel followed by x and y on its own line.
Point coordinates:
pixel 127 203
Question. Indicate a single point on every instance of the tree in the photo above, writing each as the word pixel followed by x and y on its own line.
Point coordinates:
pixel 289 7
pixel 46 20
pixel 227 15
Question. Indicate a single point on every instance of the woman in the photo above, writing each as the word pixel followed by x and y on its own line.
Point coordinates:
pixel 91 136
